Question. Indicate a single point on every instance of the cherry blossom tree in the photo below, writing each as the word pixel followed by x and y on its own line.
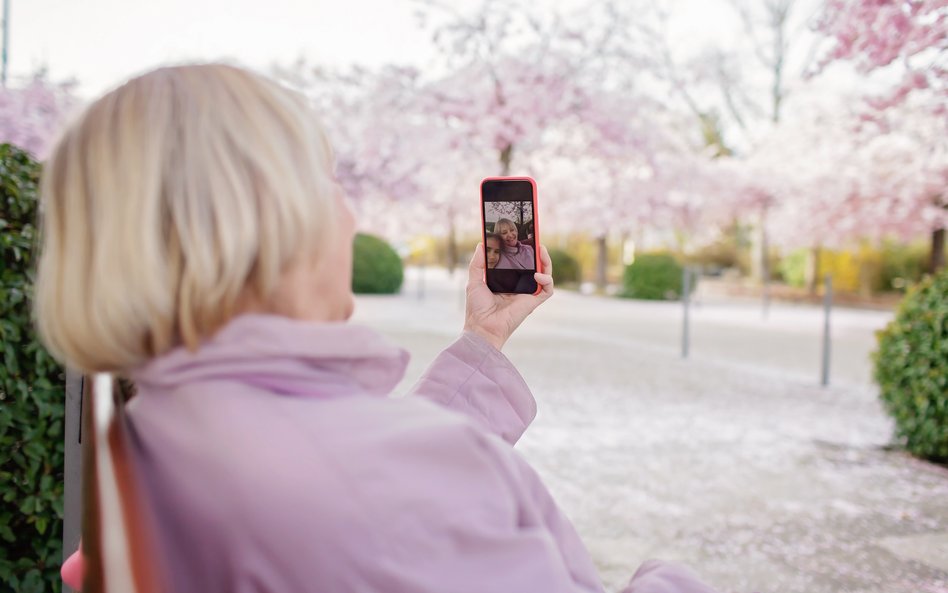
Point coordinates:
pixel 911 38
pixel 834 178
pixel 558 96
pixel 637 176
pixel 402 169
pixel 801 174
pixel 552 92
pixel 738 93
pixel 512 85
pixel 32 114
pixel 516 71
pixel 909 34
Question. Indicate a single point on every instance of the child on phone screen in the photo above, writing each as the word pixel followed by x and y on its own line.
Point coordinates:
pixel 492 244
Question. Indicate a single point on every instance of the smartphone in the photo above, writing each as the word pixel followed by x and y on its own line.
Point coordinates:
pixel 511 234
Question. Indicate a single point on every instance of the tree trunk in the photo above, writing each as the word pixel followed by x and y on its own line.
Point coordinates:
pixel 765 263
pixel 452 249
pixel 813 270
pixel 937 260
pixel 601 263
pixel 506 155
pixel 865 275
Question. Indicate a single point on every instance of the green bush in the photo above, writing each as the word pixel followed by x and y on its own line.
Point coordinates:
pixel 32 399
pixel 793 267
pixel 376 267
pixel 652 276
pixel 891 267
pixel 723 254
pixel 565 267
pixel 730 251
pixel 911 368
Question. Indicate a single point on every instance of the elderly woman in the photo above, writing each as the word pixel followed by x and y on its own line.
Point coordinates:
pixel 195 240
pixel 514 255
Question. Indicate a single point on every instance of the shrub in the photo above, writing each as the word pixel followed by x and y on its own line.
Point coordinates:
pixel 911 368
pixel 653 276
pixel 793 267
pixel 891 267
pixel 843 266
pixel 723 254
pixel 32 399
pixel 565 267
pixel 852 270
pixel 376 267
pixel 731 250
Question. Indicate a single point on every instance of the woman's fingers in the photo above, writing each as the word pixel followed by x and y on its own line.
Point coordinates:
pixel 545 260
pixel 545 279
pixel 546 285
pixel 476 268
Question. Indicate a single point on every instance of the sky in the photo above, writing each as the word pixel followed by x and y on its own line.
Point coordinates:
pixel 100 43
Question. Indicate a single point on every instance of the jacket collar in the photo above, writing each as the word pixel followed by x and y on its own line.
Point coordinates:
pixel 284 356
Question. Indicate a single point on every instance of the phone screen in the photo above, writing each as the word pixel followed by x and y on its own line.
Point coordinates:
pixel 510 235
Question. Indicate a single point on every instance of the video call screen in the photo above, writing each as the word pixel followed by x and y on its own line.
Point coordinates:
pixel 509 232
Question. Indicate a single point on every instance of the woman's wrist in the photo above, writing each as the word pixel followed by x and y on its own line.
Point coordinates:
pixel 488 337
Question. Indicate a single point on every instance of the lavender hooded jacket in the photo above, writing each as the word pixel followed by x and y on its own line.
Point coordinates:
pixel 275 461
pixel 520 257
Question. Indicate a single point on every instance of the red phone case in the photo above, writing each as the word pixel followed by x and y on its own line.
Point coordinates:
pixel 536 224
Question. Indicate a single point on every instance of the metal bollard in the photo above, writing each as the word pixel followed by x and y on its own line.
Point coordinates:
pixel 421 282
pixel 827 309
pixel 686 304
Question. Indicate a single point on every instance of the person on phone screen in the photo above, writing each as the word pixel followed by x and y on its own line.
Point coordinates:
pixel 492 244
pixel 268 452
pixel 497 282
pixel 515 255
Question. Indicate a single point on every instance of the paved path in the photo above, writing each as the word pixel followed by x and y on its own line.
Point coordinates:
pixel 734 461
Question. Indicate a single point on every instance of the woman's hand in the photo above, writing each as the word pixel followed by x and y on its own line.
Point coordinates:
pixel 494 317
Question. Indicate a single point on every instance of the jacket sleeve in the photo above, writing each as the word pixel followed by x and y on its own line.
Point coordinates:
pixel 474 378
pixel 541 550
pixel 544 552
pixel 656 576
pixel 539 509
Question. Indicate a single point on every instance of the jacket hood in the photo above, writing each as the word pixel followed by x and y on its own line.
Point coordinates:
pixel 285 356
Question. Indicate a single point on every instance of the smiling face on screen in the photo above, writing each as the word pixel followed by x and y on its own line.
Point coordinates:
pixel 492 247
pixel 508 232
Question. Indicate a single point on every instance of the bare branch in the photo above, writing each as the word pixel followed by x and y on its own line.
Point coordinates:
pixel 750 28
pixel 725 83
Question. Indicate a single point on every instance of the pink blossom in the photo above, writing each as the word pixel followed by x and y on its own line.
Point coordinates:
pixel 32 115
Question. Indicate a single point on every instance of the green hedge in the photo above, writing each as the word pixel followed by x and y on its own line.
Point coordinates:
pixel 566 268
pixel 376 267
pixel 886 268
pixel 793 267
pixel 652 276
pixel 32 399
pixel 911 368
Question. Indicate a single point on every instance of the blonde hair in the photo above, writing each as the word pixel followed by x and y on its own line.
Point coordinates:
pixel 164 201
pixel 505 222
